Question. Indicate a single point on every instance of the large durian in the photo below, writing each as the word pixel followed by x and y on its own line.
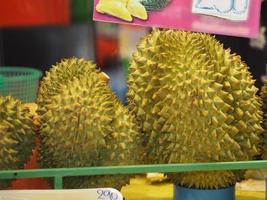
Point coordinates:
pixel 85 125
pixel 195 102
pixel 17 135
pixel 264 108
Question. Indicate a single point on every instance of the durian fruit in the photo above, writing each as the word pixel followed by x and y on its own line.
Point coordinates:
pixel 17 135
pixel 155 5
pixel 115 8
pixel 85 125
pixel 264 108
pixel 195 102
pixel 60 74
pixel 136 9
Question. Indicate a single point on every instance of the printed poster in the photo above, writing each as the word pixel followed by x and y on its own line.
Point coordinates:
pixel 227 17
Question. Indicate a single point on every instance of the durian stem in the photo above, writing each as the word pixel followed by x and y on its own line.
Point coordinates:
pixel 104 77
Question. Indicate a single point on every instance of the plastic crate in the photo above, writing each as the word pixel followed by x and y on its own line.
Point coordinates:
pixel 20 82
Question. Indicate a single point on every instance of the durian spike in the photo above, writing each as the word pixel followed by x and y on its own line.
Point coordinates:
pixel 103 76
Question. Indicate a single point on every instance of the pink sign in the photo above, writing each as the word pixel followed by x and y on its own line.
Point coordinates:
pixel 177 14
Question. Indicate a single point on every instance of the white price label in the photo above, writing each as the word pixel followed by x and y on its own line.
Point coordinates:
pixel 85 194
pixel 108 194
pixel 236 10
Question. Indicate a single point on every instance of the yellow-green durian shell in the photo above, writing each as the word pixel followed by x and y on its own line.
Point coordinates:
pixel 195 102
pixel 84 125
pixel 17 135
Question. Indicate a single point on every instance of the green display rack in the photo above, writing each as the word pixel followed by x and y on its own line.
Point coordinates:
pixel 20 82
pixel 59 173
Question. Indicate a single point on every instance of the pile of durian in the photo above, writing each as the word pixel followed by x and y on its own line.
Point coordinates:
pixel 190 101
pixel 83 124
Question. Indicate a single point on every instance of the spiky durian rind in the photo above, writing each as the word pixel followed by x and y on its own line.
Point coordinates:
pixel 85 125
pixel 60 74
pixel 195 102
pixel 17 135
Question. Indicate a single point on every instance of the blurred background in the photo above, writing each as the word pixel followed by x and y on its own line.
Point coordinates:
pixel 39 33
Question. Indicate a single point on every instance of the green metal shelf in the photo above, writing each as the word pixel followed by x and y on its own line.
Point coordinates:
pixel 59 173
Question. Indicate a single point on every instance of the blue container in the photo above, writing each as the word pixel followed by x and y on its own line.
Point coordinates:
pixel 181 193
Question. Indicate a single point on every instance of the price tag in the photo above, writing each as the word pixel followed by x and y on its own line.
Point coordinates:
pixel 236 10
pixel 85 194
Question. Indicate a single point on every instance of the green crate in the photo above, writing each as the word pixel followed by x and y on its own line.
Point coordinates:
pixel 20 82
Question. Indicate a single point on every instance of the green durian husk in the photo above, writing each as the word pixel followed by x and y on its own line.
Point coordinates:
pixel 60 74
pixel 84 125
pixel 17 136
pixel 195 102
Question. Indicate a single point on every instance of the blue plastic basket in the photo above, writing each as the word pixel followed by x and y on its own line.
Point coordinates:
pixel 181 193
